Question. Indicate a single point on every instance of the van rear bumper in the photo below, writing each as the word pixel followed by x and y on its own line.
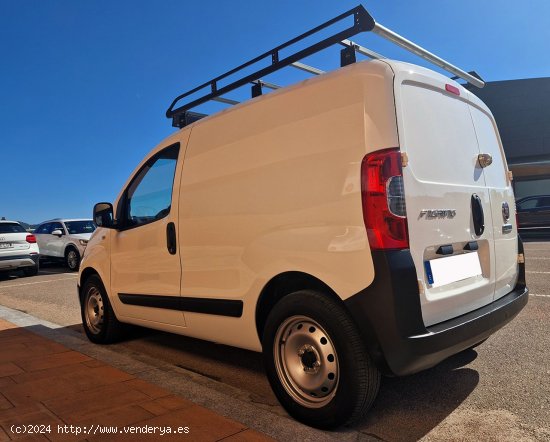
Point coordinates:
pixel 389 317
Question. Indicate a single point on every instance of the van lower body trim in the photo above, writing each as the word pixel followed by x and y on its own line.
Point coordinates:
pixel 389 316
pixel 209 306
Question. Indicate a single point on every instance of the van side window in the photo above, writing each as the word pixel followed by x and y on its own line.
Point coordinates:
pixel 149 195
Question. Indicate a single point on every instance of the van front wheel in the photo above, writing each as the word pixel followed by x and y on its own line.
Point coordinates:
pixel 316 361
pixel 98 318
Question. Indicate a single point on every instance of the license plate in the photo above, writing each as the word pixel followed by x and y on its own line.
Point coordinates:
pixel 5 245
pixel 443 271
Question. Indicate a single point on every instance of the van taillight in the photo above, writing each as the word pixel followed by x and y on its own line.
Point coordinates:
pixel 452 89
pixel 31 239
pixel 383 196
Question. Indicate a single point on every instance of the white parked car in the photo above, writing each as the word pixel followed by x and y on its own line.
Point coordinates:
pixel 18 248
pixel 64 239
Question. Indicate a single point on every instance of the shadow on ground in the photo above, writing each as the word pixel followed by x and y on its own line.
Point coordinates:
pixel 236 367
pixel 46 268
pixel 406 408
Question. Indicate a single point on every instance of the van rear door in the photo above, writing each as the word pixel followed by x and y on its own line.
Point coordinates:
pixel 449 213
pixel 502 198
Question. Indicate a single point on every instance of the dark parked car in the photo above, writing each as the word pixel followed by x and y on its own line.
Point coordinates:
pixel 534 213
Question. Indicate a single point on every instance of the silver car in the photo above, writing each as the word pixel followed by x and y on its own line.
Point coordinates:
pixel 64 239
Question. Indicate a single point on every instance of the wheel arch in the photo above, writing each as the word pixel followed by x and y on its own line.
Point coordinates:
pixel 70 246
pixel 85 274
pixel 282 285
pixel 286 283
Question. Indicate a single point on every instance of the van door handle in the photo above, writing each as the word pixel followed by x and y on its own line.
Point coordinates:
pixel 477 215
pixel 171 238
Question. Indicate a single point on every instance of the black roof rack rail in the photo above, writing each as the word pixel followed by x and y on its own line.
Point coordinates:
pixel 362 22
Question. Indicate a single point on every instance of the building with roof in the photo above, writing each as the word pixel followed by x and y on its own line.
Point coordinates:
pixel 522 112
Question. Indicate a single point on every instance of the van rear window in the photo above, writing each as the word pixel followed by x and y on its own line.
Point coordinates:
pixel 439 136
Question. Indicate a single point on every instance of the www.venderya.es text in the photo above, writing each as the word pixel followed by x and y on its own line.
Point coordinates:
pixel 98 429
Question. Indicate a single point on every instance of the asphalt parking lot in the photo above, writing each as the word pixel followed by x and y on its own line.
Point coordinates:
pixel 500 391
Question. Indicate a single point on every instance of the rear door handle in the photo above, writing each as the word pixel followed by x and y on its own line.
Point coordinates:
pixel 477 215
pixel 171 238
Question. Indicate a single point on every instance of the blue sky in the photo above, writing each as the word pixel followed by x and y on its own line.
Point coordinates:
pixel 84 85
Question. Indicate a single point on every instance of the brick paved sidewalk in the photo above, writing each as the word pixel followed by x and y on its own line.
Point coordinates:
pixel 45 383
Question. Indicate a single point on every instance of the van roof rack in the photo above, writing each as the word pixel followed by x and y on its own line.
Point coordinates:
pixel 362 22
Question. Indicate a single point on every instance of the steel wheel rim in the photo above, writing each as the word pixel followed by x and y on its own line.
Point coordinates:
pixel 72 259
pixel 306 361
pixel 94 310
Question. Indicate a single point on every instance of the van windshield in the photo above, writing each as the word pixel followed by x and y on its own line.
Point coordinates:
pixel 76 227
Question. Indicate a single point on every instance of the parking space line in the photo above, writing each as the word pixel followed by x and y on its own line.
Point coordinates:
pixel 539 296
pixel 37 282
pixel 535 257
pixel 544 273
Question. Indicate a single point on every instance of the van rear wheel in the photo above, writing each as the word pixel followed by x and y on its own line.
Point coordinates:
pixel 316 361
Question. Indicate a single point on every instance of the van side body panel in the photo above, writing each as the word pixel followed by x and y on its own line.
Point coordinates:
pixel 273 185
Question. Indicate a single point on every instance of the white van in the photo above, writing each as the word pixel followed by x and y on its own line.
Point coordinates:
pixel 355 224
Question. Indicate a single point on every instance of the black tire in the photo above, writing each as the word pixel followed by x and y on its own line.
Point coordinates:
pixel 72 258
pixel 31 271
pixel 98 318
pixel 348 391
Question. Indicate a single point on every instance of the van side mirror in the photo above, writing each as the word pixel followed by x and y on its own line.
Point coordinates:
pixel 103 215
pixel 58 233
